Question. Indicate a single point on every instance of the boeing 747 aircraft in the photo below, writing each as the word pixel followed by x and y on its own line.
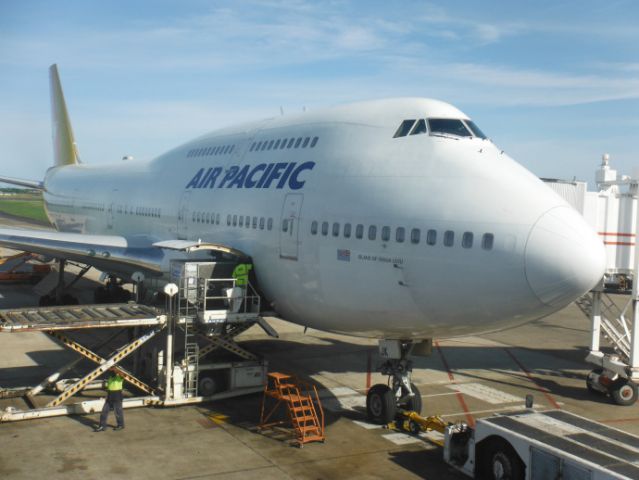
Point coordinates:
pixel 396 219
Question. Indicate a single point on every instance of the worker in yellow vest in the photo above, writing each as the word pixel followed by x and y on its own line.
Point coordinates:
pixel 241 274
pixel 113 401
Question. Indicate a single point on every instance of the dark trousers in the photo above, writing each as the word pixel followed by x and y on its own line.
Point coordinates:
pixel 113 402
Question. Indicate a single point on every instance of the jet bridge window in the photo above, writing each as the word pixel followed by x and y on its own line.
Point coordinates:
pixel 404 128
pixel 448 126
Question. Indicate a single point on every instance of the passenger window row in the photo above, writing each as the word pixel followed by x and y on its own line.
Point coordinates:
pixel 206 217
pixel 247 221
pixel 208 151
pixel 400 235
pixel 282 143
pixel 440 126
pixel 140 211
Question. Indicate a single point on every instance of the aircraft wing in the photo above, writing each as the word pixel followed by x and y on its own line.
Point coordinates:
pixel 110 253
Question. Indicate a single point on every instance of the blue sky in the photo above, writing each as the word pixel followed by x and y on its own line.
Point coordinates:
pixel 554 83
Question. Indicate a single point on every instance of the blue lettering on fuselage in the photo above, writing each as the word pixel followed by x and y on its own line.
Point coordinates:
pixel 263 175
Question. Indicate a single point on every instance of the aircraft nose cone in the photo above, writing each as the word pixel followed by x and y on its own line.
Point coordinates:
pixel 564 257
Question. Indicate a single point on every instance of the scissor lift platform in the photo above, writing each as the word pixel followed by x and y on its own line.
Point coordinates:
pixel 44 319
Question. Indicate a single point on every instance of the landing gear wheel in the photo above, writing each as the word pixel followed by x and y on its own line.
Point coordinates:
pixel 502 462
pixel 381 405
pixel 414 403
pixel 624 392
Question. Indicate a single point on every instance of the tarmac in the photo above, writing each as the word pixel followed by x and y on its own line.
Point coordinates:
pixel 464 379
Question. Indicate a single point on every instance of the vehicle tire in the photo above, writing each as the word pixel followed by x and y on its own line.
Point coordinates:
pixel 501 462
pixel 381 406
pixel 208 385
pixel 414 404
pixel 590 381
pixel 413 427
pixel 624 392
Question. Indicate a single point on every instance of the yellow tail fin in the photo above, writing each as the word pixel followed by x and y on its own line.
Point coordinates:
pixel 65 150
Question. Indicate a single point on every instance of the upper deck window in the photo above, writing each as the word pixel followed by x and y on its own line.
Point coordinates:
pixel 475 129
pixel 448 126
pixel 404 128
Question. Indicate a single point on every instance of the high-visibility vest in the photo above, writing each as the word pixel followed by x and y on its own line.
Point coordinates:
pixel 241 274
pixel 114 383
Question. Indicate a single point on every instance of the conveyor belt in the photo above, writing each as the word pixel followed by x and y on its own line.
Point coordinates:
pixel 78 316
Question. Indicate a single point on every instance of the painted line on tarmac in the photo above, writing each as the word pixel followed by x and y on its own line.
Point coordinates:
pixel 490 410
pixel 460 397
pixel 541 389
pixel 619 420
pixel 485 393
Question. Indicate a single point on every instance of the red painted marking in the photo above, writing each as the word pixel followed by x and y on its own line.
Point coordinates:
pixel 541 389
pixel 616 234
pixel 627 244
pixel 460 397
pixel 369 366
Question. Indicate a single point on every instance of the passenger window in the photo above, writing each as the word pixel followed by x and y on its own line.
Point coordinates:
pixel 400 234
pixel 192 216
pixel 270 144
pixel 385 234
pixel 404 128
pixel 347 230
pixel 372 232
pixel 261 223
pixel 277 144
pixel 208 217
pixel 420 127
pixel 290 143
pixel 415 233
pixel 231 149
pixel 235 220
pixel 314 142
pixel 264 145
pixel 283 145
pixel 297 142
pixel 487 241
pixel 359 231
pixel 314 227
pixel 324 228
pixel 285 225
pixel 467 240
pixel 259 145
pixel 336 229
pixel 217 217
pixel 228 219
pixel 248 222
pixel 254 222
pixel 431 237
pixel 448 126
pixel 241 223
pixel 269 224
pixel 306 140
pixel 449 238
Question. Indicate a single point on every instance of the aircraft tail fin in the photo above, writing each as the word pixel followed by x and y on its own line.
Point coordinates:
pixel 65 149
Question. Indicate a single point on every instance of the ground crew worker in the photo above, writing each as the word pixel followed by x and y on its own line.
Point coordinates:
pixel 241 274
pixel 113 401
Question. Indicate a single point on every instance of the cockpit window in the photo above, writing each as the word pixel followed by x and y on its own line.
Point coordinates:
pixel 404 128
pixel 448 126
pixel 475 129
pixel 420 127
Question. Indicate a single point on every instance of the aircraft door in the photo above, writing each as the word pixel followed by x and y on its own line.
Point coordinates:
pixel 183 216
pixel 289 226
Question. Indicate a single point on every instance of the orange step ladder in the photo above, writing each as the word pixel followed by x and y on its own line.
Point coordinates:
pixel 300 399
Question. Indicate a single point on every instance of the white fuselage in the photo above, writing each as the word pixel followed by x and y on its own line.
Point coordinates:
pixel 517 251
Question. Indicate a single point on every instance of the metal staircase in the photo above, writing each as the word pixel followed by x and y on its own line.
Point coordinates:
pixel 191 358
pixel 302 405
pixel 616 325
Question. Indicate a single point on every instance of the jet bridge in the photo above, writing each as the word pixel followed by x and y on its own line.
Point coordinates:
pixel 181 354
pixel 612 211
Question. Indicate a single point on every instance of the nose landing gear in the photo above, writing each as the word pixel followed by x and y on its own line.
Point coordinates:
pixel 383 401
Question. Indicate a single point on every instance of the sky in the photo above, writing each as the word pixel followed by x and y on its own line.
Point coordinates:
pixel 553 83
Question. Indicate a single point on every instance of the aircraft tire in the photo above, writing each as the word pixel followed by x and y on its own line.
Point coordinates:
pixel 624 393
pixel 381 406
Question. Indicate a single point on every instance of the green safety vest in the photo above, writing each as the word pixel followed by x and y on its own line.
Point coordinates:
pixel 114 383
pixel 241 274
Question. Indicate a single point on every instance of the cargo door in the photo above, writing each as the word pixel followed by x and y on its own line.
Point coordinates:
pixel 183 216
pixel 289 226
